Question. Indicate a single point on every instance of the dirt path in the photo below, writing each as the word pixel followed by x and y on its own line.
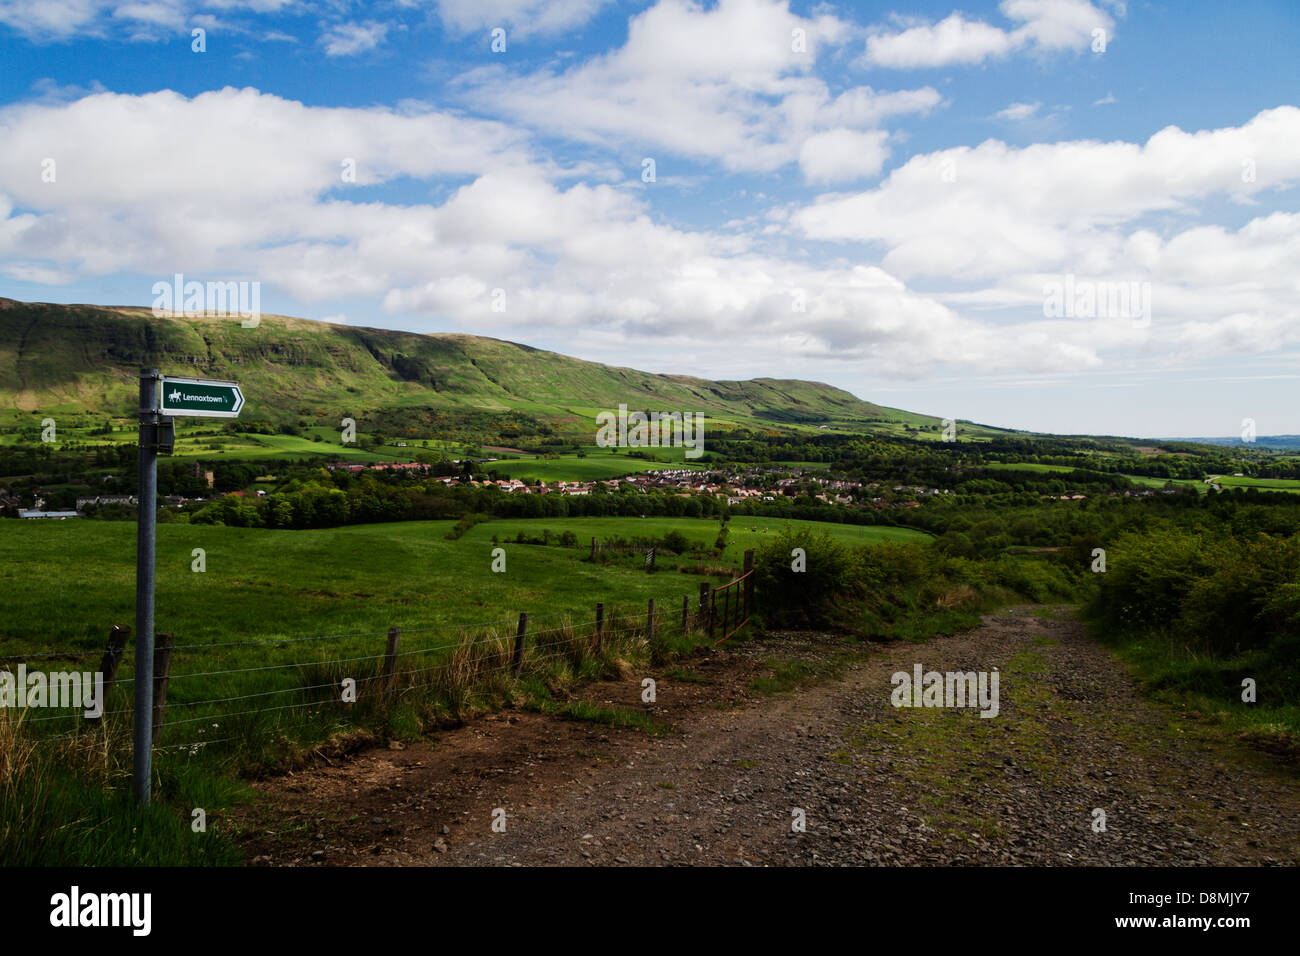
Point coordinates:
pixel 876 784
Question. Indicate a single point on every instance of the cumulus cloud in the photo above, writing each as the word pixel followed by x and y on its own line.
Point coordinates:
pixel 731 85
pixel 952 40
pixel 1044 26
pixel 842 155
pixel 203 181
pixel 991 209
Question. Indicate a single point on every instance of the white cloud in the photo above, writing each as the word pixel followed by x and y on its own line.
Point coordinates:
pixel 1049 204
pixel 205 182
pixel 349 39
pixel 520 18
pixel 1018 111
pixel 951 40
pixel 158 13
pixel 44 20
pixel 724 85
pixel 52 18
pixel 842 155
pixel 1045 26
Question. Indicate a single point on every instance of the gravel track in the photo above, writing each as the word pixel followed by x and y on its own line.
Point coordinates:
pixel 877 785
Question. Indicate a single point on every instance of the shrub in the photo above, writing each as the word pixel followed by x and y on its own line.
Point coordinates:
pixel 795 598
pixel 676 542
pixel 464 524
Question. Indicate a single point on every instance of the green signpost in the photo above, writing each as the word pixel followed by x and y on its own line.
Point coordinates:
pixel 161 398
pixel 197 397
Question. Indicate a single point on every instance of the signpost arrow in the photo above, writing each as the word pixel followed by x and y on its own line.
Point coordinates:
pixel 200 397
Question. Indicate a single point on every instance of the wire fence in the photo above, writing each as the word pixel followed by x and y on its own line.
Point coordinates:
pixel 243 693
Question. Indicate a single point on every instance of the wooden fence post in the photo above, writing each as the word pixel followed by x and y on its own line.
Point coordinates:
pixel 726 611
pixel 749 583
pixel 706 610
pixel 117 637
pixel 600 626
pixel 518 662
pixel 162 663
pixel 593 549
pixel 686 610
pixel 389 675
pixel 650 623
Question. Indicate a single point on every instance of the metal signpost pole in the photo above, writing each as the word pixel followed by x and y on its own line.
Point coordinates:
pixel 144 573
pixel 160 399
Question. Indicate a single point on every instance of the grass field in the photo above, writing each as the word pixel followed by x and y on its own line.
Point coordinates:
pixel 596 464
pixel 1026 466
pixel 811 465
pixel 1263 484
pixel 250 447
pixel 65 583
pixel 1146 481
pixel 743 532
pixel 192 441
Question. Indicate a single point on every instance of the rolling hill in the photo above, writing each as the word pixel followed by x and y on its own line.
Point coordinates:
pixel 85 359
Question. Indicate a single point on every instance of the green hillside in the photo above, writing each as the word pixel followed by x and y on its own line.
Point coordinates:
pixel 85 359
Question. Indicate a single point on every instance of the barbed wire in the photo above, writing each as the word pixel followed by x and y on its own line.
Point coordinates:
pixel 579 638
pixel 272 641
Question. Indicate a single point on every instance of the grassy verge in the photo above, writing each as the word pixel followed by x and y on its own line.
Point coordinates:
pixel 1211 684
pixel 1209 620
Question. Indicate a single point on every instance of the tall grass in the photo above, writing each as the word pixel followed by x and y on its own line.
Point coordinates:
pixel 68 803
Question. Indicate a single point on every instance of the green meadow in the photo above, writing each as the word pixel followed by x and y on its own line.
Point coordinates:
pixel 593 465
pixel 63 584
pixel 194 439
pixel 1146 481
pixel 1025 466
pixel 1263 484
pixel 251 447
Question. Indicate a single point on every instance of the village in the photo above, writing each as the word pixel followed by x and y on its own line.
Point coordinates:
pixel 737 485
pixel 740 485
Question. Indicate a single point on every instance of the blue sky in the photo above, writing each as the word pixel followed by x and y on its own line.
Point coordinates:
pixel 889 198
